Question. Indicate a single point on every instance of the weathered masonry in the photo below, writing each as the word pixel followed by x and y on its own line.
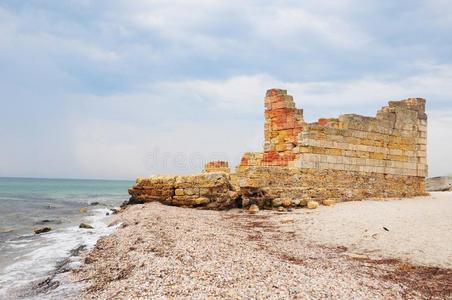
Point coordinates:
pixel 351 157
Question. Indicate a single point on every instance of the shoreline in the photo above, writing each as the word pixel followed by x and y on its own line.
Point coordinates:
pixel 166 251
pixel 56 254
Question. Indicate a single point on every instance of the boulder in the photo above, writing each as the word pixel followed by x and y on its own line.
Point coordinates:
pixel 83 210
pixel 313 204
pixel 295 202
pixel 303 202
pixel 94 203
pixel 253 209
pixel 42 230
pixel 85 226
pixel 277 202
pixel 286 202
pixel 329 202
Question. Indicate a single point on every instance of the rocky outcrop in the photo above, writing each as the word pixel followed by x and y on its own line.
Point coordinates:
pixel 209 190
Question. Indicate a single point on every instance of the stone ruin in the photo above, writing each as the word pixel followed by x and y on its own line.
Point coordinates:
pixel 351 157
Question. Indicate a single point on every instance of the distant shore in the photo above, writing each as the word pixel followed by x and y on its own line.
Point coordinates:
pixel 370 249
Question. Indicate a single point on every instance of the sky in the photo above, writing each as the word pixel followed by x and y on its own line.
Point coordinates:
pixel 117 89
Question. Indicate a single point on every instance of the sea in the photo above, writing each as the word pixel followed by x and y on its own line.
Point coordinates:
pixel 38 266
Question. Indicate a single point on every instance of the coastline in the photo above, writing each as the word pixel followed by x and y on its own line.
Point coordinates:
pixel 165 251
pixel 56 254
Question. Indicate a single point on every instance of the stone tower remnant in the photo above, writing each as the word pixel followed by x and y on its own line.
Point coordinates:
pixel 351 157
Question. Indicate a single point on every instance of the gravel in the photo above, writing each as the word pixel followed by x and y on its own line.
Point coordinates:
pixel 164 252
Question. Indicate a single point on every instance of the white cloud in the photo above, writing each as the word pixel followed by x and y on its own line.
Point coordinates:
pixel 191 76
pixel 123 147
pixel 296 25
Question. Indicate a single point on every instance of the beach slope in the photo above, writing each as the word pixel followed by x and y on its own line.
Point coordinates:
pixel 369 249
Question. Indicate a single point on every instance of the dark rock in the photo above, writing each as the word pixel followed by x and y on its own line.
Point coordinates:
pixel 46 221
pixel 94 203
pixel 86 226
pixel 76 251
pixel 107 213
pixel 132 201
pixel 42 230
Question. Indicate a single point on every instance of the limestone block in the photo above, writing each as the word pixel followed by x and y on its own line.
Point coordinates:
pixel 253 209
pixel 201 201
pixel 286 202
pixel 313 204
pixel 277 202
pixel 328 202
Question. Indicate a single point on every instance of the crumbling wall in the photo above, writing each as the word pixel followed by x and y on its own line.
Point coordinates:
pixel 351 157
pixel 394 142
pixel 217 166
pixel 209 190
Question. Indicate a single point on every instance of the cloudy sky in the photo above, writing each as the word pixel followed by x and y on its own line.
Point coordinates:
pixel 121 88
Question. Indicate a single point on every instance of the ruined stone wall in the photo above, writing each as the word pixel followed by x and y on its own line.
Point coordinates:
pixel 210 190
pixel 216 166
pixel 351 157
pixel 393 142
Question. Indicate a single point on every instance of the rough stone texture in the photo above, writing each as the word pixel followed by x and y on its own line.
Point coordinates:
pixel 442 183
pixel 217 166
pixel 212 190
pixel 313 204
pixel 393 142
pixel 351 157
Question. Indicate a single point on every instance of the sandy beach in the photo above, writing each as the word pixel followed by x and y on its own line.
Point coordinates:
pixel 388 249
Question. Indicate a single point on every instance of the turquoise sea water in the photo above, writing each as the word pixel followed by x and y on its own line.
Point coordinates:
pixel 26 204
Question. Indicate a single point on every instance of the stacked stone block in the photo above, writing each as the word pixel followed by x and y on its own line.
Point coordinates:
pixel 394 142
pixel 335 159
pixel 216 166
pixel 208 190
pixel 283 124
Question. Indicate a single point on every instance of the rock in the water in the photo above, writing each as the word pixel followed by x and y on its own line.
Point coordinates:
pixel 94 203
pixel 42 230
pixel 114 210
pixel 253 209
pixel 313 204
pixel 86 226
pixel 329 202
pixel 83 210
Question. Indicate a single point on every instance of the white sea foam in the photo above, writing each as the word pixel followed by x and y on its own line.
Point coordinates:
pixel 44 252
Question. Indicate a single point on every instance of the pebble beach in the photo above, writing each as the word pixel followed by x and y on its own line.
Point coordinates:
pixel 164 252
